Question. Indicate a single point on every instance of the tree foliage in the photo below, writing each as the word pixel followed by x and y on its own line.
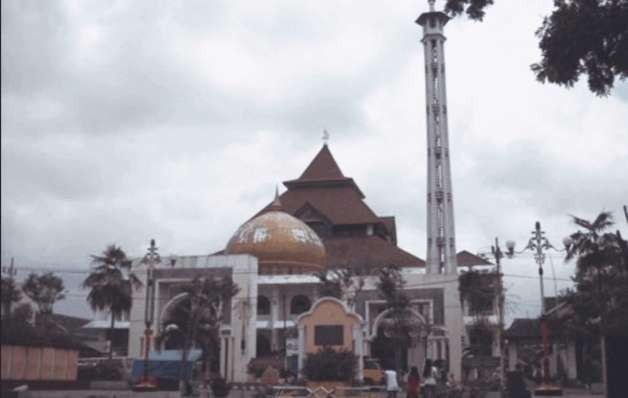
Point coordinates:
pixel 390 287
pixel 330 365
pixel 195 320
pixel 342 284
pixel 478 289
pixel 600 297
pixel 44 290
pixel 579 37
pixel 111 284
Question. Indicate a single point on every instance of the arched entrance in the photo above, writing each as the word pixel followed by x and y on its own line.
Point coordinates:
pixel 408 332
pixel 174 322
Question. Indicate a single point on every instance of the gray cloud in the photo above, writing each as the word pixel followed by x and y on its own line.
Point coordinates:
pixel 127 121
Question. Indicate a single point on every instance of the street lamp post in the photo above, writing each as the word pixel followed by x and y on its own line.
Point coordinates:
pixel 150 259
pixel 538 243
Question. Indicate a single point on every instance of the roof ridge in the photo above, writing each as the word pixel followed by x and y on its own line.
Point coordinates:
pixel 322 167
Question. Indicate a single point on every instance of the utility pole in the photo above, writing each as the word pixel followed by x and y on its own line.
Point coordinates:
pixel 497 253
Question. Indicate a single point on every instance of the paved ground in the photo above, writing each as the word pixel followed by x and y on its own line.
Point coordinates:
pixel 567 393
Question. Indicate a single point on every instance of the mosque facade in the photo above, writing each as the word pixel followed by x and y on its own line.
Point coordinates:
pixel 320 223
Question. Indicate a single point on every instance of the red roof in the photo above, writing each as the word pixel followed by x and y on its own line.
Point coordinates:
pixel 323 194
pixel 367 251
pixel 322 167
pixel 467 259
pixel 341 205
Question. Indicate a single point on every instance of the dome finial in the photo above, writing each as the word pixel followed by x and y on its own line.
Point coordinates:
pixel 276 205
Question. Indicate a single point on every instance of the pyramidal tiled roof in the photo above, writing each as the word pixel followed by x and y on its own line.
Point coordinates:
pixel 322 167
pixel 468 259
pixel 323 191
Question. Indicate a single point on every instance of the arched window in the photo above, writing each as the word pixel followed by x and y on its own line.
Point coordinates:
pixel 299 304
pixel 263 305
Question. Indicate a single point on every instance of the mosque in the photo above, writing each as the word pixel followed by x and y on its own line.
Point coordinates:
pixel 321 222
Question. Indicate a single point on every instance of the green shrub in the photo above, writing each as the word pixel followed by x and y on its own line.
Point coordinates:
pixel 330 365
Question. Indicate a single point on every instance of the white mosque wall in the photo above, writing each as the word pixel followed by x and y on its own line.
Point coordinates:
pixel 237 335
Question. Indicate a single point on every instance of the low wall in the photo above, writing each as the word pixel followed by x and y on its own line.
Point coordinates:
pixel 38 363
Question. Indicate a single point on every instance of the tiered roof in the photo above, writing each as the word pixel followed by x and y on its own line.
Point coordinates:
pixel 352 233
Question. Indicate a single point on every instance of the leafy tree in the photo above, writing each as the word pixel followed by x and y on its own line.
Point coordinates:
pixel 111 283
pixel 587 37
pixel 196 319
pixel 390 287
pixel 342 284
pixel 44 290
pixel 10 294
pixel 600 298
pixel 478 290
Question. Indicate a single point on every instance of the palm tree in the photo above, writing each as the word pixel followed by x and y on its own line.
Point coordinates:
pixel 600 297
pixel 111 283
pixel 601 263
pixel 196 320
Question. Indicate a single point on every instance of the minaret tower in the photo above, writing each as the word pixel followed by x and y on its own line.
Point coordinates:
pixel 441 238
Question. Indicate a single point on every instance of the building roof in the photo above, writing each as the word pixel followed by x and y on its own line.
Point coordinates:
pixel 367 251
pixel 391 226
pixel 468 259
pixel 353 234
pixel 340 204
pixel 524 328
pixel 281 242
pixel 322 167
pixel 69 323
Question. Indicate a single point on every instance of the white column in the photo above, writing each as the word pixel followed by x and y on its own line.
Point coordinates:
pixel 301 347
pixel 358 344
pixel 274 318
pixel 512 356
pixel 223 371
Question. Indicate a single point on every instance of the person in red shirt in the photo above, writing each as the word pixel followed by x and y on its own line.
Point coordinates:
pixel 414 383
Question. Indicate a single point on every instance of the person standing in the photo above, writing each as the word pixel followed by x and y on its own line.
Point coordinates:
pixel 414 383
pixel 429 375
pixel 392 386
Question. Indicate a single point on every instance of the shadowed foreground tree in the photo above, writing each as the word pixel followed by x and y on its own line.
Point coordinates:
pixel 111 285
pixel 44 290
pixel 587 37
pixel 10 295
pixel 600 297
pixel 196 319
pixel 390 287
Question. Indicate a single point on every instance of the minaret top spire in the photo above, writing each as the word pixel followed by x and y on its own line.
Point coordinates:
pixel 431 2
pixel 325 136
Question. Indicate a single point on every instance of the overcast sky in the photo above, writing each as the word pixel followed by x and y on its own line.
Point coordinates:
pixel 124 121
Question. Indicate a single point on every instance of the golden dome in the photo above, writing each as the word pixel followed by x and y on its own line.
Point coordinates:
pixel 283 244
